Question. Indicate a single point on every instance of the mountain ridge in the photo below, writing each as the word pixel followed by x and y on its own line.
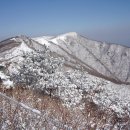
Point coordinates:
pixel 97 49
pixel 99 58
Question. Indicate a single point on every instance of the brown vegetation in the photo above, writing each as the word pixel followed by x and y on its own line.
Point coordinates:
pixel 91 118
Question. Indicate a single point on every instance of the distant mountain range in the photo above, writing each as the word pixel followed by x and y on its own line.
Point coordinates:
pixel 108 61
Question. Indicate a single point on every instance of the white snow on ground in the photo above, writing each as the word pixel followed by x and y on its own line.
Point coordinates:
pixel 102 92
pixel 6 81
pixel 14 55
pixel 63 38
pixel 42 41
pixel 71 96
pixel 24 47
pixel 8 84
pixel 31 109
pixel 2 75
pixel 107 59
pixel 116 97
pixel 15 52
pixel 19 50
pixel 13 39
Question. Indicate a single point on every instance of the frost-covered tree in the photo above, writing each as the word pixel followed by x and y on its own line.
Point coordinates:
pixel 38 70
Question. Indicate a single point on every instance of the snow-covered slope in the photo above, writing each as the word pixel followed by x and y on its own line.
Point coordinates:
pixel 110 61
pixel 105 61
pixel 16 46
pixel 12 50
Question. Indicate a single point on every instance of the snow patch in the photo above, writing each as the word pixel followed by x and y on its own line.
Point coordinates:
pixel 8 84
pixel 6 81
pixel 42 41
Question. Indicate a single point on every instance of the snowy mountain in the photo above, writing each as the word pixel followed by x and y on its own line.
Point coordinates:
pixel 12 49
pixel 110 61
pixel 94 74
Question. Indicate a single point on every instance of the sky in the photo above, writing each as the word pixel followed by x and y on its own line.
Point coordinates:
pixel 102 20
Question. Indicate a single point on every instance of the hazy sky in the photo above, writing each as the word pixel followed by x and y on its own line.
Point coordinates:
pixel 105 20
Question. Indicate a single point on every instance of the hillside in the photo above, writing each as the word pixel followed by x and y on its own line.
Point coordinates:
pixel 110 61
pixel 82 75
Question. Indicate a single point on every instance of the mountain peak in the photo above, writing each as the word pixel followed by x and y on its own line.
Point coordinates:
pixel 65 36
pixel 71 34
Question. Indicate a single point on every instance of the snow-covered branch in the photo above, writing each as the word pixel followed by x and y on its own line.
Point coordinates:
pixel 37 112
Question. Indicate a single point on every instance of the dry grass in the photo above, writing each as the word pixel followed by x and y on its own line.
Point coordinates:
pixel 91 118
pixel 36 100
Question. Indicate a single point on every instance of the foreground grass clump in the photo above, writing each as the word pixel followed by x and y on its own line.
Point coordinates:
pixel 13 116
